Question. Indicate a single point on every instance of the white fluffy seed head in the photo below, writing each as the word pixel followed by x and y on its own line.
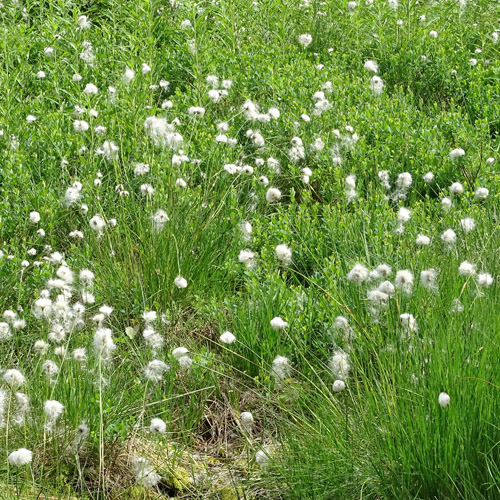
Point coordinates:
pixel 371 66
pixel 444 399
pixel 180 282
pixel 273 195
pixel 284 254
pixel 358 274
pixel 467 224
pixel 155 370
pixel 484 279
pixel 481 193
pixel 456 153
pixel 466 269
pixel 456 188
pixel 305 39
pixel 178 352
pixel 14 378
pixel 278 324
pixel 404 281
pixel 247 420
pixel 449 236
pixel 227 338
pixel 20 457
pixel 340 365
pixel 158 426
pixel 423 240
pixel 53 409
pixel 338 386
pixel 281 367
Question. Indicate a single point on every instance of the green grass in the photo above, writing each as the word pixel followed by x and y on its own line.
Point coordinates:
pixel 385 436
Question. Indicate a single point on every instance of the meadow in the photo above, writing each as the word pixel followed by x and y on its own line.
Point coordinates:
pixel 249 250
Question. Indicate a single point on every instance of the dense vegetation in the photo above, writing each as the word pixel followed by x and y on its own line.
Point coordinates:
pixel 249 251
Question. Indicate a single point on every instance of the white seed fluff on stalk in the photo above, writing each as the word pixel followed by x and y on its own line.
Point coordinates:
pixel 384 178
pixel 305 39
pixel 158 426
pixel 14 378
pixel 153 338
pixel 5 332
pixel 423 240
pixel 449 237
pixel 484 279
pixel 467 224
pixel 71 196
pixel 350 187
pixel 381 271
pixel 103 343
pixel 20 457
pixel 281 368
pixel 342 324
pixel 387 287
pixel 456 153
pixel 446 203
pixel 297 151
pixel 273 195
pixel 80 126
pixel 179 352
pixel 149 316
pixel 466 269
pixel 155 370
pixel 50 368
pixel 404 281
pixel 247 257
pixel 196 111
pixel 456 188
pixel 408 322
pixel 338 386
pixel 428 279
pixel 263 458
pixel 340 365
pixel 306 175
pixel 246 229
pixel 86 276
pixel 53 410
pixel 128 75
pixel 404 215
pixel 34 217
pixel 378 300
pixel 481 193
pixel 443 399
pixel 41 347
pixel 163 133
pixel 145 474
pixel 247 421
pixel 428 177
pixel 90 89
pixel 185 362
pixel 278 324
pixel 358 274
pixel 371 66
pixel 284 254
pixel 376 85
pixel 22 408
pixel 160 218
pixel 180 282
pixel 3 407
pixel 97 224
pixel 80 355
pixel 227 338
